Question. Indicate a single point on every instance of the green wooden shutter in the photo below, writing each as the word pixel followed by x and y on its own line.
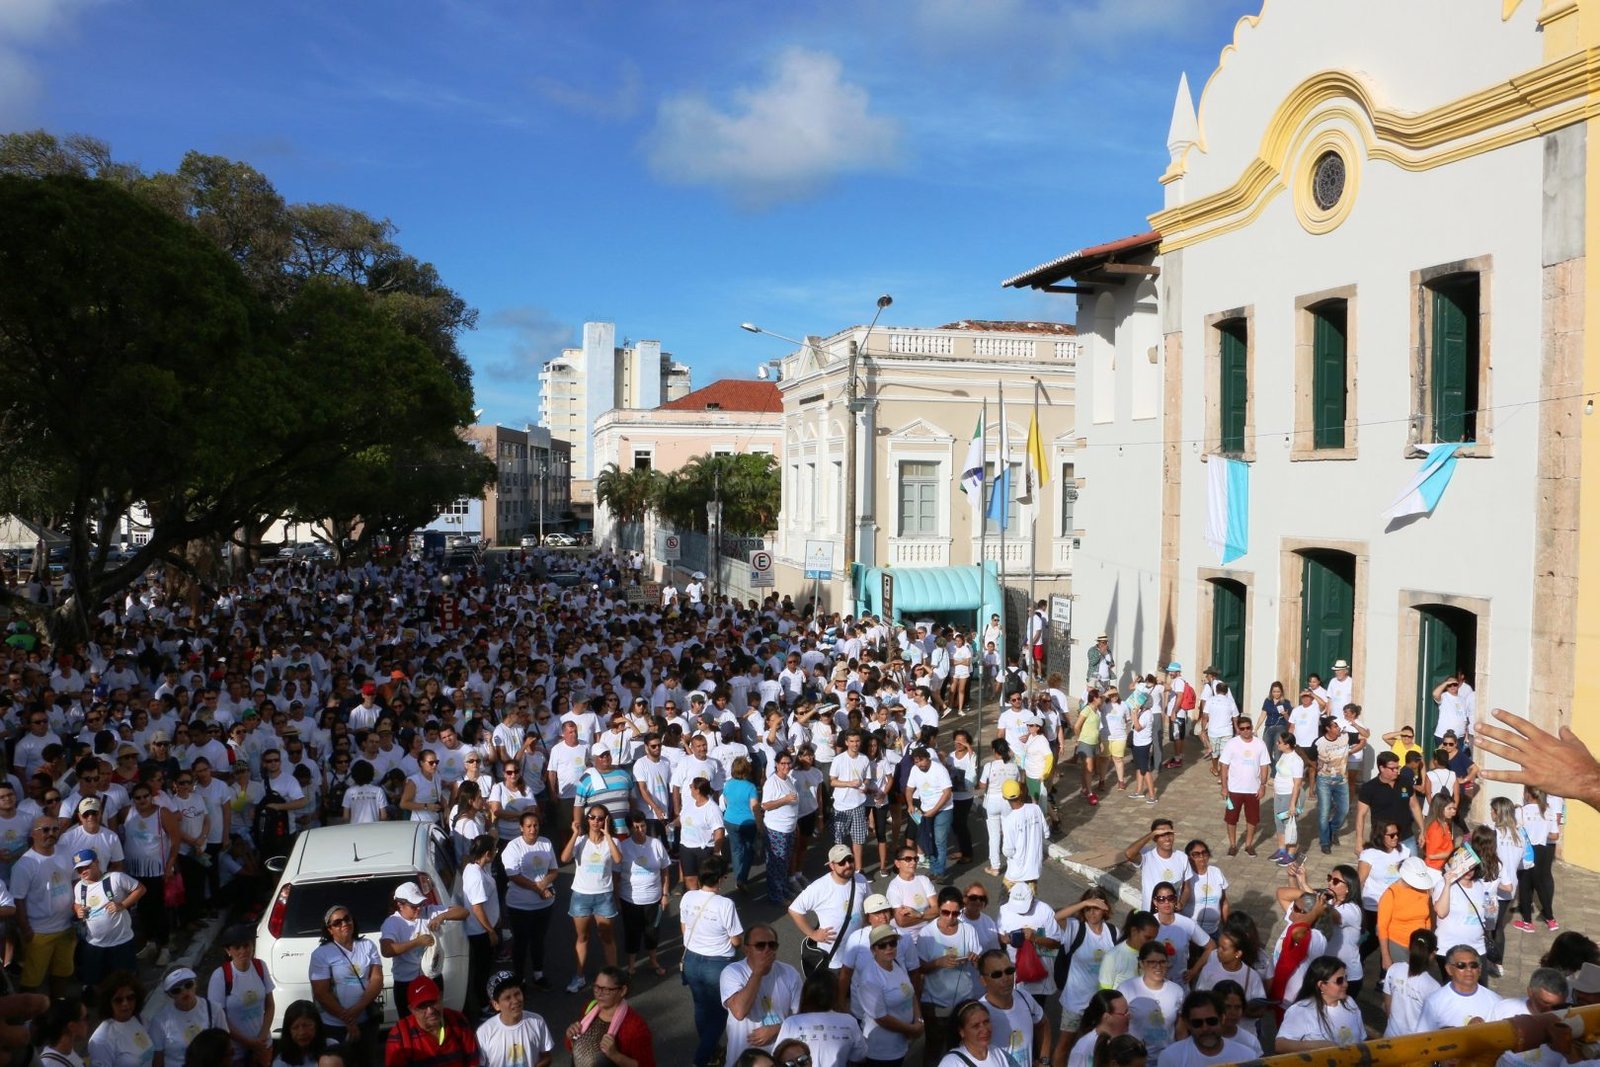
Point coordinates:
pixel 1328 375
pixel 1327 611
pixel 1227 632
pixel 1235 385
pixel 1453 370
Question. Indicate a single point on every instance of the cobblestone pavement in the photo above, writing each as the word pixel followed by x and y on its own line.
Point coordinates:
pixel 1095 836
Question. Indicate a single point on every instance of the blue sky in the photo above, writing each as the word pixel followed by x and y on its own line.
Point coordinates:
pixel 674 167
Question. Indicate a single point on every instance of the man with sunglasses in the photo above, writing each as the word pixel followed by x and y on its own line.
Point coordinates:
pixel 759 991
pixel 42 882
pixel 837 900
pixel 1018 1023
pixel 1205 1045
pixel 1462 1000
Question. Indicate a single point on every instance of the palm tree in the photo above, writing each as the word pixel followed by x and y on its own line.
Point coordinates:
pixel 748 485
pixel 630 495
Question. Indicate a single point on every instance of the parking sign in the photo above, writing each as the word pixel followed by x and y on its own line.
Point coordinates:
pixel 762 572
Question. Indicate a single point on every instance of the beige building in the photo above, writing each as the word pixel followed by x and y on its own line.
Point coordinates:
pixel 921 393
pixel 532 494
pixel 727 417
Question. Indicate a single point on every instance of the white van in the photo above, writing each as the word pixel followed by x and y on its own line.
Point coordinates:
pixel 358 867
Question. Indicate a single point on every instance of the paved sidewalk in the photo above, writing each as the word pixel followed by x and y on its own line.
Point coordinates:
pixel 1095 836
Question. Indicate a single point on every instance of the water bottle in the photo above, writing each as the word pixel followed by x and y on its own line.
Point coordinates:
pixel 1227 803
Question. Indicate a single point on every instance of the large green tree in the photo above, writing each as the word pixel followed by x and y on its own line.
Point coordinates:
pixel 630 495
pixel 143 366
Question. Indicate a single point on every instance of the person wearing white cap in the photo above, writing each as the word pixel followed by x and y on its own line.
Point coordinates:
pixel 90 832
pixel 100 901
pixel 408 932
pixel 836 899
pixel 1023 917
pixel 177 1024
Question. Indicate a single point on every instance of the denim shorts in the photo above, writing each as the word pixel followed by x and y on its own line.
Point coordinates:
pixel 600 905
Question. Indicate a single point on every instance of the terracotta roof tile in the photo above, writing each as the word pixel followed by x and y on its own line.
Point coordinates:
pixel 730 394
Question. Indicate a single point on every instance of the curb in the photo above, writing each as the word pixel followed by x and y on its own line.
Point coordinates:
pixel 198 947
pixel 1120 888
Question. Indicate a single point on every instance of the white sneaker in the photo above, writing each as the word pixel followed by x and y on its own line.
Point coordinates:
pixel 577 984
pixel 164 959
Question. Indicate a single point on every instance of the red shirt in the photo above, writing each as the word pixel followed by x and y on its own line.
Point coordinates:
pixel 412 1046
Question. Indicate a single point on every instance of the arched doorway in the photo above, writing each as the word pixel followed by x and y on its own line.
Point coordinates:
pixel 1447 641
pixel 1327 611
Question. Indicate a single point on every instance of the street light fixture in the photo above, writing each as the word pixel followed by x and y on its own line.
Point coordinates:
pixel 853 406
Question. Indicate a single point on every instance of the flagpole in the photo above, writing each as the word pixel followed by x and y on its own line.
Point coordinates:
pixel 983 547
pixel 1002 475
pixel 1033 525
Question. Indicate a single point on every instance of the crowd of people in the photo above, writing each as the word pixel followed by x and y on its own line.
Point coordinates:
pixel 648 770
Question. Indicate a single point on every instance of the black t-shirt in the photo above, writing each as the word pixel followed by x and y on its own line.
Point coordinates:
pixel 1388 803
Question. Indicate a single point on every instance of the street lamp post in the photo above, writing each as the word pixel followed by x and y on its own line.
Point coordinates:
pixel 853 405
pixel 714 533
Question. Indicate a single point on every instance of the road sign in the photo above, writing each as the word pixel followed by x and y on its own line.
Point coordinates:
pixel 819 560
pixel 888 596
pixel 670 547
pixel 762 573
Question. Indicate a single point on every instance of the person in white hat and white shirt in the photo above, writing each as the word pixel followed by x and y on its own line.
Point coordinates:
pixel 829 899
pixel 1341 687
pixel 408 932
pixel 186 1013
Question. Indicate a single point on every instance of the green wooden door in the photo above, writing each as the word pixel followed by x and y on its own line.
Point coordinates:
pixel 1234 391
pixel 1227 633
pixel 1453 374
pixel 1327 611
pixel 1328 376
pixel 1446 641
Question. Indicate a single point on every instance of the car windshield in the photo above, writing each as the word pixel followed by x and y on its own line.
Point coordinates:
pixel 370 901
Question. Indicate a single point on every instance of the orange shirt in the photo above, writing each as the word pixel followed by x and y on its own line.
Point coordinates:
pixel 1402 911
pixel 1437 839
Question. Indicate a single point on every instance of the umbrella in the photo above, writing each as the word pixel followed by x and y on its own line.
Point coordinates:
pixel 698 576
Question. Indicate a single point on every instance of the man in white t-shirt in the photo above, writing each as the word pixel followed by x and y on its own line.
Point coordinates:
pixel 849 780
pixel 1463 1000
pixel 829 899
pixel 759 991
pixel 1205 1045
pixel 928 795
pixel 1157 859
pixel 1245 764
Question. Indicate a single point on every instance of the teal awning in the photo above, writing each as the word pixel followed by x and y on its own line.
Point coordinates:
pixel 934 590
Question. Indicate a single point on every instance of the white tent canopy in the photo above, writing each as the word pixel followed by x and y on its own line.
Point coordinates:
pixel 20 534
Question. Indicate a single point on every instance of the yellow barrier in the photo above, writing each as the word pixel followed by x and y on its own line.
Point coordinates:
pixel 1469 1046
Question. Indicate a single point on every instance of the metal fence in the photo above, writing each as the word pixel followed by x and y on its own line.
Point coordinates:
pixel 732 565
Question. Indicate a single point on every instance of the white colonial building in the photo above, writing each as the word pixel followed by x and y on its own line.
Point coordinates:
pixel 1372 243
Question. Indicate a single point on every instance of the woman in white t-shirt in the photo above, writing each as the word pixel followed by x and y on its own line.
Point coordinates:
pixel 1407 984
pixel 701 831
pixel 646 879
pixel 973 1030
pixel 1344 917
pixel 780 809
pixel 1114 714
pixel 1088 936
pixel 1322 1015
pixel 991 780
pixel 712 935
pixel 595 856
pixel 1153 1000
pixel 963 768
pixel 880 783
pixel 1378 866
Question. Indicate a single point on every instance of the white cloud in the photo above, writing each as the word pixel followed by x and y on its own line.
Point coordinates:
pixel 24 25
pixel 778 141
pixel 533 336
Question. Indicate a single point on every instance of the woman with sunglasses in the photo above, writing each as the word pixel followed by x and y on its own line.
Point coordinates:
pixel 1104 1017
pixel 121 1037
pixel 1153 1000
pixel 1344 918
pixel 1323 1013
pixel 1378 868
pixel 185 1015
pixel 509 798
pixel 1087 934
pixel 973 1031
pixel 884 1000
pixel 148 852
pixel 596 857
pixel 1180 934
pixel 346 975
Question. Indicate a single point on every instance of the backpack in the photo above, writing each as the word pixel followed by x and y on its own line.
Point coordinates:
pixel 227 977
pixel 1186 701
pixel 1064 959
pixel 1015 682
pixel 270 827
pixel 338 785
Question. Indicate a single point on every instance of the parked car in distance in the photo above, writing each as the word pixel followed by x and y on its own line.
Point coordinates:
pixel 357 867
pixel 529 541
pixel 560 540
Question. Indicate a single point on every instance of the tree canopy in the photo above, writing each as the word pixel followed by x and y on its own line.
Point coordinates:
pixel 190 343
pixel 749 487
